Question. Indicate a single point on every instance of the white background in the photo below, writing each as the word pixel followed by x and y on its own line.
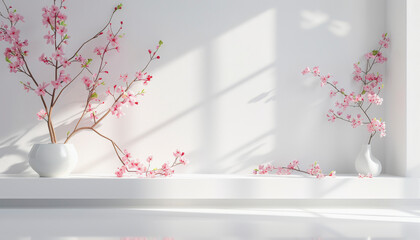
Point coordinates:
pixel 228 90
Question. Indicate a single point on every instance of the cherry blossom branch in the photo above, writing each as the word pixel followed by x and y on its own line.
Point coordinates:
pixel 97 34
pixel 129 164
pixel 8 12
pixel 49 123
pixel 62 90
pixel 127 88
pixel 53 18
pixel 370 82
pixel 103 136
pixel 314 169
pixel 91 91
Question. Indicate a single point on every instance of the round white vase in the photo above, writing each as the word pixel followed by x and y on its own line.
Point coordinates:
pixel 53 160
pixel 366 163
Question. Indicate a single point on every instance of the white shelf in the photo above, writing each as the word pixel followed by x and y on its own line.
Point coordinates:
pixel 209 187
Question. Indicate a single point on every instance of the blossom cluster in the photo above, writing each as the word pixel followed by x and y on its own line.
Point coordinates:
pixel 53 18
pixel 10 34
pixel 369 175
pixel 135 166
pixel 362 100
pixel 314 169
pixel 124 97
pixel 377 126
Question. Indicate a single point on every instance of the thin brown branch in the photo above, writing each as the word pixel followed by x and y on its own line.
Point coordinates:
pixel 61 91
pixel 95 36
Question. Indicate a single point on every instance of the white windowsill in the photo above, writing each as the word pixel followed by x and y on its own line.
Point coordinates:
pixel 209 187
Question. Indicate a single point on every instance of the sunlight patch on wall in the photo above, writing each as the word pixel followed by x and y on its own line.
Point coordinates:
pixel 339 28
pixel 245 49
pixel 312 19
pixel 245 70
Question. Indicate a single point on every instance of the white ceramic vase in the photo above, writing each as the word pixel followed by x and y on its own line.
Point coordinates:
pixel 366 163
pixel 53 160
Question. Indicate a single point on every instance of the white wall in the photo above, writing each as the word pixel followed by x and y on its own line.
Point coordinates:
pixel 396 89
pixel 228 89
pixel 413 97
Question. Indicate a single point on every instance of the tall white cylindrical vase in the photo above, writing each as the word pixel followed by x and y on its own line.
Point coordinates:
pixel 366 163
pixel 53 160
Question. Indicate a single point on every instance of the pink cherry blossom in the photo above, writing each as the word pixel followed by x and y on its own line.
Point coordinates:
pixel 283 171
pixel 355 122
pixel 87 81
pixel 178 154
pixel 369 175
pixel 119 89
pixel 380 58
pixel 293 164
pixel 315 71
pixel 99 50
pixel 149 158
pixel 357 78
pixel 384 44
pixel 13 33
pixel 324 80
pixel 151 174
pixel 40 91
pixel 15 17
pixel 41 114
pixel 58 54
pixel 129 97
pixel 369 55
pixel 141 169
pixel 64 62
pixel 147 80
pixel 139 75
pixel 315 170
pixel 27 86
pixel 120 171
pixel 49 38
pixel 79 58
pixel 331 116
pixel 13 67
pixel 89 108
pixel 56 84
pixel 43 59
pixel 358 98
pixel 61 30
pixel 116 110
pixel 64 77
pixel 357 69
pixel 377 126
pixel 166 170
pixel 112 39
pixel 306 70
pixel 124 77
pixel 126 157
pixel 183 161
pixel 109 92
pixel 374 98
